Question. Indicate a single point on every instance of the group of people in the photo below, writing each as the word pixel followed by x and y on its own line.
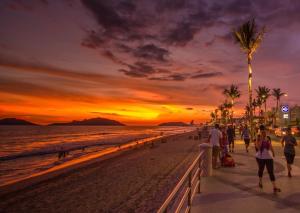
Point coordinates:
pixel 222 137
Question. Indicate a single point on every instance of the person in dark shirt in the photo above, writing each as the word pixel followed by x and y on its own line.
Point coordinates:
pixel 246 136
pixel 289 142
pixel 231 137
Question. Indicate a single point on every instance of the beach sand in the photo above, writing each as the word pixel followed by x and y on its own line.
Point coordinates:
pixel 137 180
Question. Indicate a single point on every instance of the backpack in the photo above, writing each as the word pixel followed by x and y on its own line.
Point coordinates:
pixel 228 161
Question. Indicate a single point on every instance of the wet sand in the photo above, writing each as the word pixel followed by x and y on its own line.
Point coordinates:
pixel 137 180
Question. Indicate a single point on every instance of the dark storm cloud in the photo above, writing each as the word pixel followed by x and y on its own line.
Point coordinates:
pixel 207 75
pixel 171 77
pixel 106 15
pixel 152 52
pixel 181 35
pixel 133 29
pixel 177 77
pixel 189 108
pixel 238 7
pixel 94 40
pixel 138 70
pixel 108 54
pixel 143 70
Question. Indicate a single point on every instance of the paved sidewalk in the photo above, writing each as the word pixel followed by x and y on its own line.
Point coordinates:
pixel 236 189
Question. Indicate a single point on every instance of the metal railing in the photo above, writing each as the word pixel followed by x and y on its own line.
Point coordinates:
pixel 192 178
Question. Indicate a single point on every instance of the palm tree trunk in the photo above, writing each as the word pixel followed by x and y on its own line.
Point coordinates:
pixel 276 113
pixel 265 106
pixel 250 97
pixel 232 110
pixel 265 114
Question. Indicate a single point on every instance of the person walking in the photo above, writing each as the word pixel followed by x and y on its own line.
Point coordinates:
pixel 231 136
pixel 289 142
pixel 264 157
pixel 214 139
pixel 246 136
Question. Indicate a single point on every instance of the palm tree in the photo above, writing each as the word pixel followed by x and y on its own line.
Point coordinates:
pixel 272 115
pixel 247 111
pixel 249 39
pixel 233 92
pixel 224 111
pixel 254 105
pixel 227 106
pixel 213 116
pixel 259 104
pixel 216 114
pixel 277 94
pixel 263 93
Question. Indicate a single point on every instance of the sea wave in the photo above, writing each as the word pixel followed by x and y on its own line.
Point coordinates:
pixel 72 146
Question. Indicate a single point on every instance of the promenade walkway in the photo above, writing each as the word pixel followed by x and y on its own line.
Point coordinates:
pixel 236 189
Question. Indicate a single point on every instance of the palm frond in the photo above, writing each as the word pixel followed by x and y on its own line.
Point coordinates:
pixel 248 38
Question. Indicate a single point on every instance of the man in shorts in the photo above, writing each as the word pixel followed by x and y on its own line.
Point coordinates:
pixel 289 142
pixel 214 139
pixel 231 136
pixel 246 136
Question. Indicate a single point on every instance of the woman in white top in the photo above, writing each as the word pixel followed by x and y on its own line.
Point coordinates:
pixel 264 156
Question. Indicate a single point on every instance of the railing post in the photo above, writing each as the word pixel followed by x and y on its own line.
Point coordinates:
pixel 206 160
pixel 190 192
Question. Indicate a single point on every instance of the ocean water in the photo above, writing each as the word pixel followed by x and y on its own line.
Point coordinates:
pixel 26 150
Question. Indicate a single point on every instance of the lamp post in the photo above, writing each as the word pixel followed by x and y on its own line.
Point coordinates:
pixel 286 115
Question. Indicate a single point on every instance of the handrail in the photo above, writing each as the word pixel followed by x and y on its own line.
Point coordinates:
pixel 189 192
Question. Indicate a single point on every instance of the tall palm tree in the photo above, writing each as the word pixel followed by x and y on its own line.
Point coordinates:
pixel 277 95
pixel 221 109
pixel 247 111
pixel 263 93
pixel 259 103
pixel 227 106
pixel 249 39
pixel 213 116
pixel 233 92
pixel 216 114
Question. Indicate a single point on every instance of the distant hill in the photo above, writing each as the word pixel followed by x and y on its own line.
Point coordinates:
pixel 15 121
pixel 173 124
pixel 91 122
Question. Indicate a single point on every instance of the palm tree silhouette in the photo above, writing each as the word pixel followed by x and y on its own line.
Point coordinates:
pixel 233 92
pixel 254 105
pixel 213 116
pixel 216 114
pixel 263 93
pixel 249 39
pixel 277 94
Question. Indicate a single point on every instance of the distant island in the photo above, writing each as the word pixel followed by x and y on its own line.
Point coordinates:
pixel 173 124
pixel 15 121
pixel 90 122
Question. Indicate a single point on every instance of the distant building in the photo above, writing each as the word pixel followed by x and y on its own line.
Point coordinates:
pixel 292 117
pixel 295 115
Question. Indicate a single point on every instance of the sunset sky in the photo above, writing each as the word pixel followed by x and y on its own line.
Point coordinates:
pixel 139 62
